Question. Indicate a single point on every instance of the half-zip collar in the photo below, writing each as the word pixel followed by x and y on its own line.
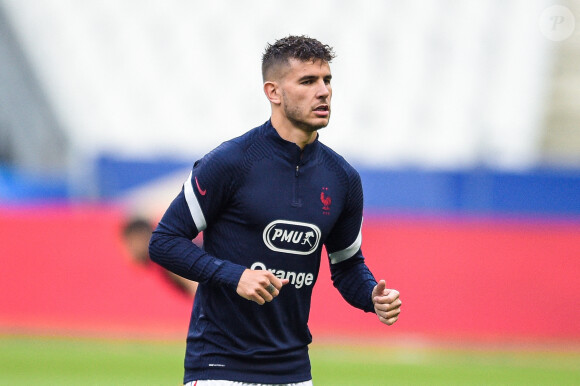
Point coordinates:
pixel 289 150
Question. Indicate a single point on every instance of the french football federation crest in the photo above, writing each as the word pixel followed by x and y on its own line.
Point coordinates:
pixel 326 201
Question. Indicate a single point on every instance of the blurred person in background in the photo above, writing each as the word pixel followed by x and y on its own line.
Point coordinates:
pixel 267 202
pixel 136 234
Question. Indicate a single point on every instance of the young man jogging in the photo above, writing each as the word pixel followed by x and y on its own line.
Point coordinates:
pixel 267 202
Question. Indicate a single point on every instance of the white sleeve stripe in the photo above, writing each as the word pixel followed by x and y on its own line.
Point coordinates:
pixel 345 254
pixel 193 204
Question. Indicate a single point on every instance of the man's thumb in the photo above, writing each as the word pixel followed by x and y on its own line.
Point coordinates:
pixel 379 288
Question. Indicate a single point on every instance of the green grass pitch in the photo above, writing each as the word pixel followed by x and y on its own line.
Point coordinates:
pixel 35 360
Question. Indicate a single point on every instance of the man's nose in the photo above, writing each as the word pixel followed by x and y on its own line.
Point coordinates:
pixel 323 90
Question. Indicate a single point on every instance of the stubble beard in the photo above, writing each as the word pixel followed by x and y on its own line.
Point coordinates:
pixel 295 117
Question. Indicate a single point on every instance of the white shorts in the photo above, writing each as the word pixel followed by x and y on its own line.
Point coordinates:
pixel 232 383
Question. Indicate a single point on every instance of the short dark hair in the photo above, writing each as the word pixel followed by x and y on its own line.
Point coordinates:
pixel 295 47
pixel 136 225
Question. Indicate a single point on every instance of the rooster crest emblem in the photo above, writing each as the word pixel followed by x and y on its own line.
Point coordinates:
pixel 326 201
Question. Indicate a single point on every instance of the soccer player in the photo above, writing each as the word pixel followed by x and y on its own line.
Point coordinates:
pixel 267 202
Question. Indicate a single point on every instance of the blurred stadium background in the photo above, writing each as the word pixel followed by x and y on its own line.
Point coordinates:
pixel 463 118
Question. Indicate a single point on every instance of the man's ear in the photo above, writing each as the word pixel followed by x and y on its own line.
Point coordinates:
pixel 272 92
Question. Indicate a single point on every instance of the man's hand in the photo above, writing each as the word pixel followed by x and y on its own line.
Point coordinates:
pixel 387 303
pixel 260 286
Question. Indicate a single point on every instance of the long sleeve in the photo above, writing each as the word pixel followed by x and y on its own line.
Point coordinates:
pixel 192 211
pixel 172 248
pixel 354 281
pixel 349 273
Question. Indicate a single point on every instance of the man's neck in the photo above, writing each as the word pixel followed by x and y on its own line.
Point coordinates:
pixel 291 133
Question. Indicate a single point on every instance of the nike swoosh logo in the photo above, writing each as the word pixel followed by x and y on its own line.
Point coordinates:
pixel 202 192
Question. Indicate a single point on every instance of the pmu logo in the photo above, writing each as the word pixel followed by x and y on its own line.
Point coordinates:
pixel 294 237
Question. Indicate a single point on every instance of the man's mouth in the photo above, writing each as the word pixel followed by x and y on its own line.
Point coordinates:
pixel 322 110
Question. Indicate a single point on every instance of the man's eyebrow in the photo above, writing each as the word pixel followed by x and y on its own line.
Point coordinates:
pixel 311 77
pixel 307 77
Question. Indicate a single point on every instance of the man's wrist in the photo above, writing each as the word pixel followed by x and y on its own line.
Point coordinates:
pixel 228 274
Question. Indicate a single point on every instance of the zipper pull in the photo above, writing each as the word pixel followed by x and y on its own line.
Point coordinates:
pixel 297 168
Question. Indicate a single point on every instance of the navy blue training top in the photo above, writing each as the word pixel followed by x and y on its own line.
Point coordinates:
pixel 262 203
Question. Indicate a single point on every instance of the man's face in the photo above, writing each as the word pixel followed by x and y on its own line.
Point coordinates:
pixel 306 94
pixel 137 243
